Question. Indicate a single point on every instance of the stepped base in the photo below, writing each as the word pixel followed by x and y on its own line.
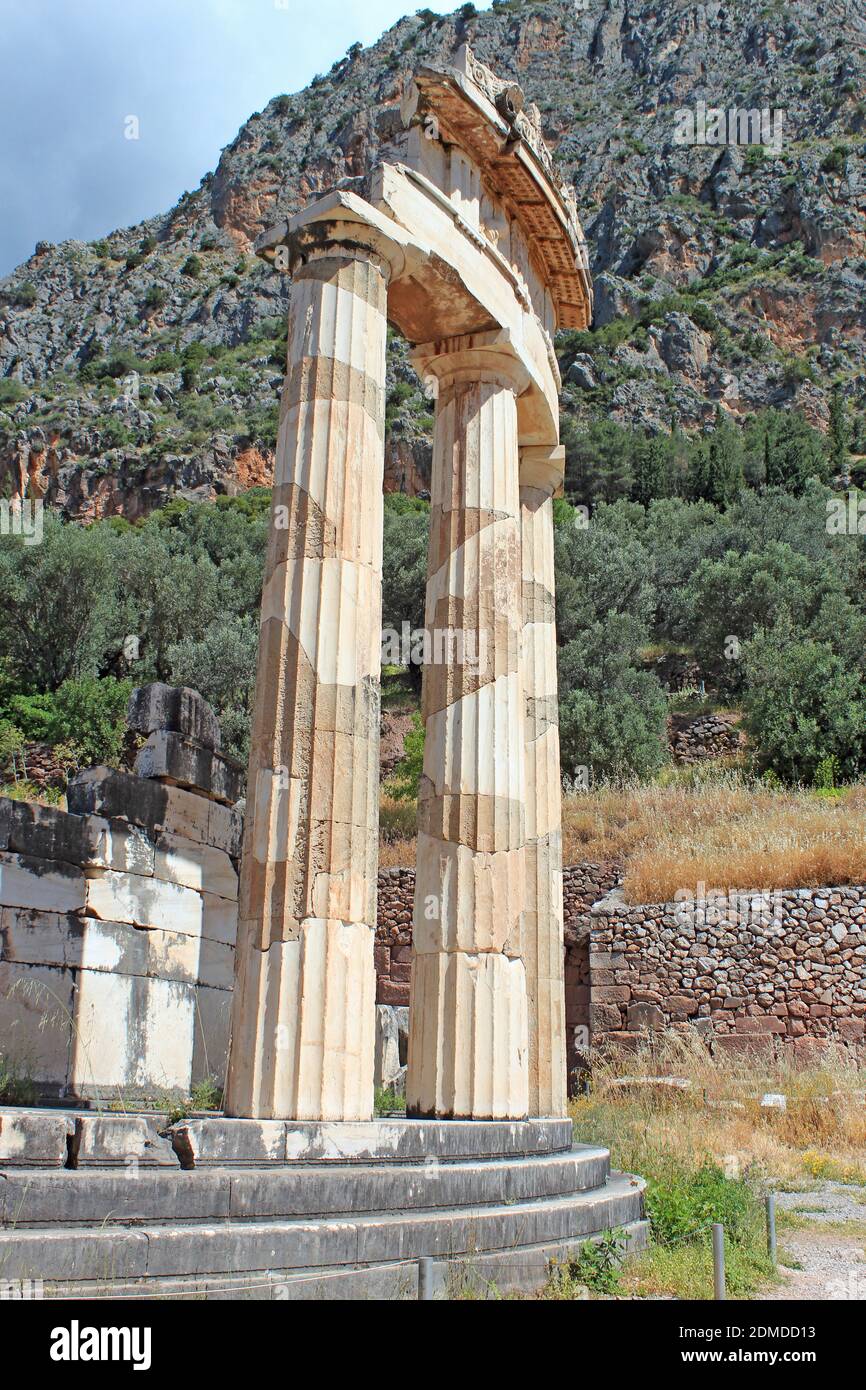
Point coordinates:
pixel 232 1209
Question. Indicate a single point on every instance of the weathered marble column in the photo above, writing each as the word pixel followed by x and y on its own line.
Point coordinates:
pixel 303 1011
pixel 541 473
pixel 468 1017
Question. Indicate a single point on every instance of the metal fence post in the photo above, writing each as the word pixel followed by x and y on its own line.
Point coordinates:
pixel 771 1227
pixel 425 1279
pixel 719 1261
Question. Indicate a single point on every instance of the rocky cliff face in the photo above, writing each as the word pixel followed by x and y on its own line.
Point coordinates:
pixel 148 364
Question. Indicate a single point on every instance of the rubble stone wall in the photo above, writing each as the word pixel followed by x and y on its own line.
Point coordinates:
pixel 750 970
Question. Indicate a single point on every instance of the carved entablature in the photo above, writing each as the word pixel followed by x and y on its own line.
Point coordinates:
pixel 483 117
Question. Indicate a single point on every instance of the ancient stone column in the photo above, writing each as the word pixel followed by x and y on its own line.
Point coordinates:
pixel 542 948
pixel 303 1011
pixel 468 1020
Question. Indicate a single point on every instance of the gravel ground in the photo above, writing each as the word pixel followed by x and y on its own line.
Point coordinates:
pixel 832 1262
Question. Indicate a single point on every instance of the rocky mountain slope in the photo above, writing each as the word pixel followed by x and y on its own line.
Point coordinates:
pixel 148 364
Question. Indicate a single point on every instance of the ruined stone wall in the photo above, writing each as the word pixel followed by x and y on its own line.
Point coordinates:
pixel 787 967
pixel 118 918
pixel 792 970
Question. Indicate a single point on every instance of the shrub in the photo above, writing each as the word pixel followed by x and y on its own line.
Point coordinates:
pixel 11 391
pixel 192 267
pixel 405 780
pixel 804 705
pixel 155 298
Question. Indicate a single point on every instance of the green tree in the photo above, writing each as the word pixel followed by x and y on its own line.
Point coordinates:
pixel 716 472
pixel 839 433
pixel 803 705
pixel 404 567
pixel 652 470
pixel 59 607
pixel 793 451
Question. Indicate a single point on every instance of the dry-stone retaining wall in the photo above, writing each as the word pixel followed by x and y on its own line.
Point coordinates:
pixel 118 917
pixel 746 970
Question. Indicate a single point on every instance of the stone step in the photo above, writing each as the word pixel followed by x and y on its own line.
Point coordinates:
pixel 37 1138
pixel 523 1268
pixel 103 1254
pixel 131 1196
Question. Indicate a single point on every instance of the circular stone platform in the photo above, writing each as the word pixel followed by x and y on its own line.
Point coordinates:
pixel 102 1204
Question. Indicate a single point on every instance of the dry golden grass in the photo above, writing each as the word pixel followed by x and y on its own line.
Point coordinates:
pixel 821 1134
pixel 716 829
pixel 397 819
pixel 723 832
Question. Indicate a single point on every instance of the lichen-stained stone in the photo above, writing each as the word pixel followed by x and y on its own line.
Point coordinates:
pixel 542 935
pixel 29 936
pixel 219 919
pixel 468 1046
pixel 146 902
pixel 173 758
pixel 36 1020
pixel 468 1036
pixel 156 807
pixel 117 845
pixel 193 865
pixel 302 1040
pixel 132 1031
pixel 44 884
pixel 176 708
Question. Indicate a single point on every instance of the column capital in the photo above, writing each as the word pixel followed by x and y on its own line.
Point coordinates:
pixel 543 467
pixel 339 224
pixel 472 357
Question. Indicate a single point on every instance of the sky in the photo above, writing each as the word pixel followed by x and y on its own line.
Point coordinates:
pixel 190 72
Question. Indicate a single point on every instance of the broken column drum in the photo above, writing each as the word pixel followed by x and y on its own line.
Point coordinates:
pixel 465 238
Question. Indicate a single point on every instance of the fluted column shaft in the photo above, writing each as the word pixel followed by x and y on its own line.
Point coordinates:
pixel 468 1021
pixel 543 915
pixel 303 1010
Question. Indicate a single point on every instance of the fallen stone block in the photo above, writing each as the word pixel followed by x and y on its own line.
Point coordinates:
pixel 173 758
pixel 644 1016
pixel 178 709
pixel 26 881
